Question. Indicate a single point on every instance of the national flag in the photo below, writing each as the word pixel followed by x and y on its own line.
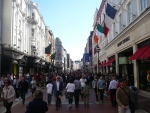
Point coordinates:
pixel 48 49
pixel 109 18
pixel 53 55
pixel 96 39
pixel 99 31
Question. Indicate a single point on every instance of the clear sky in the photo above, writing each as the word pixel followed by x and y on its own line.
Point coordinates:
pixel 71 21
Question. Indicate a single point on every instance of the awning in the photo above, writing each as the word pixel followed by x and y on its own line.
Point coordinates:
pixel 145 54
pixel 109 62
pixel 138 53
pixel 19 57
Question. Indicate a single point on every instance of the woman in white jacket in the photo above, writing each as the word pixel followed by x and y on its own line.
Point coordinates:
pixel 8 95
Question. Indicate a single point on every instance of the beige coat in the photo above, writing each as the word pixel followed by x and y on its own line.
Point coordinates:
pixel 8 93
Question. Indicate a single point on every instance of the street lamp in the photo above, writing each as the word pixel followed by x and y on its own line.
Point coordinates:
pixel 98 50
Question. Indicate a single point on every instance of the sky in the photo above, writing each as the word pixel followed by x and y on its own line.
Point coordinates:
pixel 71 21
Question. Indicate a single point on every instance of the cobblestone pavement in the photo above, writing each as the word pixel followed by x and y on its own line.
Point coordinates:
pixel 94 107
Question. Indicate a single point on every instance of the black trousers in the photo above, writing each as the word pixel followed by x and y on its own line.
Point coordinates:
pixel 96 93
pixel 8 107
pixel 76 96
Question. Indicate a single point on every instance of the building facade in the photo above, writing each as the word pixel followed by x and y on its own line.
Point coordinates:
pixel 126 49
pixel 23 37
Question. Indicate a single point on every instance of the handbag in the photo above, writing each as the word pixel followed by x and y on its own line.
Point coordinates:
pixel 131 104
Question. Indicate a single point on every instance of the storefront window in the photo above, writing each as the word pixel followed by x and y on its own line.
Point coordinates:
pixel 144 77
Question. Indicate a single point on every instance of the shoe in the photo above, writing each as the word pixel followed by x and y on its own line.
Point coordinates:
pixel 56 109
pixel 69 105
pixel 17 99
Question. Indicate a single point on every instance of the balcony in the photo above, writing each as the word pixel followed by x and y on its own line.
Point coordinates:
pixel 32 20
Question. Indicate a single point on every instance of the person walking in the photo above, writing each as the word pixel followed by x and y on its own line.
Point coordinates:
pixel 57 91
pixel 101 87
pixel 16 86
pixel 8 95
pixel 122 98
pixel 23 88
pixel 70 92
pixel 94 85
pixel 49 87
pixel 83 80
pixel 37 105
pixel 112 88
pixel 77 90
pixel 33 85
pixel 86 92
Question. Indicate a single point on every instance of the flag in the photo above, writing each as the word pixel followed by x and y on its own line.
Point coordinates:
pixel 53 55
pixel 48 49
pixel 109 18
pixel 99 31
pixel 96 39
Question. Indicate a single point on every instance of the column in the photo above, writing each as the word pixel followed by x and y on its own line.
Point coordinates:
pixel 135 68
pixel 117 64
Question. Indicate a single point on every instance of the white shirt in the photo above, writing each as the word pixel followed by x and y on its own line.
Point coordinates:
pixel 49 88
pixel 113 84
pixel 57 83
pixel 70 87
pixel 83 80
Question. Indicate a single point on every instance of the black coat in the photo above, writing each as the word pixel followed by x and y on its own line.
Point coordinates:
pixel 37 106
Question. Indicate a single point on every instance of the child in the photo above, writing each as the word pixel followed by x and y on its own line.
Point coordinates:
pixel 49 92
pixel 86 94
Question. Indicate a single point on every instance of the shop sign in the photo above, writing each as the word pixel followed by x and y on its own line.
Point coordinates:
pixel 123 60
pixel 123 41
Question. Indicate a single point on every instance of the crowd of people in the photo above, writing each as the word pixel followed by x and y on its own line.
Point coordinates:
pixel 73 85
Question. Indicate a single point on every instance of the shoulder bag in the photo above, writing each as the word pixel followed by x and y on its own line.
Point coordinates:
pixel 131 104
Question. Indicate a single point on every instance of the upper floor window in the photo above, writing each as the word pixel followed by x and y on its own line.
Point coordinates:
pixel 143 5
pixel 32 32
pixel 130 15
pixel 33 16
pixel 19 24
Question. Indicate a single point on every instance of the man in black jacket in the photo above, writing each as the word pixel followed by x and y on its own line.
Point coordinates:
pixel 23 87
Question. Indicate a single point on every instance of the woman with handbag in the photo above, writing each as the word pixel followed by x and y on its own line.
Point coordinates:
pixel 70 92
pixel 8 95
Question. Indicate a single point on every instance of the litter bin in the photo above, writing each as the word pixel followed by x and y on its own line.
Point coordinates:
pixel 134 96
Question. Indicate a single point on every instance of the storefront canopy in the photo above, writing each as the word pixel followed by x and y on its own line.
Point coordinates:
pixel 145 54
pixel 109 62
pixel 138 53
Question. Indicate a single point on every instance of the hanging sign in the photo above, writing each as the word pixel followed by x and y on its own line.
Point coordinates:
pixel 86 57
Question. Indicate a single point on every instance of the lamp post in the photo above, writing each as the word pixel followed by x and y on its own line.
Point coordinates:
pixel 98 50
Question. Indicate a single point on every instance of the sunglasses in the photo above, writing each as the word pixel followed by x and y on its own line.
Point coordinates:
pixel 5 82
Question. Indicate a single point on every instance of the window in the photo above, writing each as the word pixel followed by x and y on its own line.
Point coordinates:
pixel 19 24
pixel 33 16
pixel 32 32
pixel 143 5
pixel 19 42
pixel 130 15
